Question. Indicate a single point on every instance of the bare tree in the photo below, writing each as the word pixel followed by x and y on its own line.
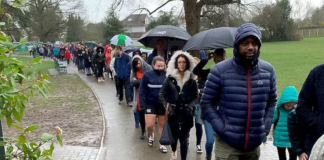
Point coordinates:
pixel 49 17
pixel 192 10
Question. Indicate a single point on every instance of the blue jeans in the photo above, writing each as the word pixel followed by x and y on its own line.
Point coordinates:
pixel 81 64
pixel 210 138
pixel 136 116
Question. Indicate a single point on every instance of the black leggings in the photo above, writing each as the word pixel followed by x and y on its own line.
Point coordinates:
pixel 183 138
pixel 199 133
pixel 100 67
pixel 282 153
pixel 142 119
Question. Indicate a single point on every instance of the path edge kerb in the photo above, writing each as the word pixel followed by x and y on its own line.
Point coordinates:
pixel 103 119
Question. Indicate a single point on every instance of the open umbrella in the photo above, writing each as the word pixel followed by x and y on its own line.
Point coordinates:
pixel 170 34
pixel 121 39
pixel 58 43
pixel 222 37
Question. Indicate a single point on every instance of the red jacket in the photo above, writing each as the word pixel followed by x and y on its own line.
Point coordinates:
pixel 67 54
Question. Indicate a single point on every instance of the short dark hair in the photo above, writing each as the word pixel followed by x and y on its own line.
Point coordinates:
pixel 119 48
pixel 185 57
pixel 219 52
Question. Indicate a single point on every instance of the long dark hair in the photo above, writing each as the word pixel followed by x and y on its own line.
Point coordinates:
pixel 134 63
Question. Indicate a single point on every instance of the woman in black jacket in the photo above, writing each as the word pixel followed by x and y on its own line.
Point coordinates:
pixel 87 61
pixel 100 60
pixel 179 95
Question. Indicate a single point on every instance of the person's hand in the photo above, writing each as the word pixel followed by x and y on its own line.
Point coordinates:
pixel 303 156
pixel 134 79
pixel 208 56
pixel 264 143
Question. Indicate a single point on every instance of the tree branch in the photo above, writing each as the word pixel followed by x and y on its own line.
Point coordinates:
pixel 153 10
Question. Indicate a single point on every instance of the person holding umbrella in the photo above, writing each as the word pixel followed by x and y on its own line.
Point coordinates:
pixel 158 51
pixel 218 55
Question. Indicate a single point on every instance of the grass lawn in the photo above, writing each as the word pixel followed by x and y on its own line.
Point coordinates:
pixel 25 53
pixel 292 60
pixel 45 65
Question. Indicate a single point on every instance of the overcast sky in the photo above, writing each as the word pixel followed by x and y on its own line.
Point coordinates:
pixel 95 9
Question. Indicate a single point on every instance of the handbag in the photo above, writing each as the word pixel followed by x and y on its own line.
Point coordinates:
pixel 166 135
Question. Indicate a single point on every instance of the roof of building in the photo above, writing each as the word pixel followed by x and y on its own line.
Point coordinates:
pixel 135 20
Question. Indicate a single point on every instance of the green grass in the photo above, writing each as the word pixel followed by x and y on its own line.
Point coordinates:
pixel 292 60
pixel 44 66
pixel 25 53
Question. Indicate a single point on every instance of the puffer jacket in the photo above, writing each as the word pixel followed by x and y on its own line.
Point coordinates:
pixel 310 108
pixel 297 133
pixel 245 96
pixel 181 94
pixel 280 116
pixel 121 62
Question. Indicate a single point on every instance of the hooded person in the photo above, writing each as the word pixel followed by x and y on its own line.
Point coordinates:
pixel 179 95
pixel 67 56
pixel 108 60
pixel 139 67
pixel 130 91
pixel 244 90
pixel 100 63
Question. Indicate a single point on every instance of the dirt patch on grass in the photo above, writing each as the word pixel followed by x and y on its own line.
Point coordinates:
pixel 72 106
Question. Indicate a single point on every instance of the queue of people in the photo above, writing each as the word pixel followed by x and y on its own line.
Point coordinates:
pixel 235 100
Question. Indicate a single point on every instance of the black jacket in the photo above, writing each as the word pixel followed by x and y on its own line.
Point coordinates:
pixel 310 108
pixel 181 104
pixel 201 73
pixel 87 59
pixel 297 133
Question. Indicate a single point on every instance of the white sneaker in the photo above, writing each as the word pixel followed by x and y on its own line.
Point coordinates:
pixel 199 150
pixel 173 157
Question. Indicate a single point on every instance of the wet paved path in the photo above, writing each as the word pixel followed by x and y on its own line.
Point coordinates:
pixel 122 138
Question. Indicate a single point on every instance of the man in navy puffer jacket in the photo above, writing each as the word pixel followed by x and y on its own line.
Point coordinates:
pixel 244 87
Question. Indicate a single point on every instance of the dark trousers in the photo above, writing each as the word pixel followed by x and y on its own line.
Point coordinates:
pixel 116 84
pixel 282 153
pixel 183 138
pixel 142 120
pixel 199 133
pixel 100 67
pixel 122 84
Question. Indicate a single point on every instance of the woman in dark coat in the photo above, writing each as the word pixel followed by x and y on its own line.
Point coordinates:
pixel 87 61
pixel 100 63
pixel 179 95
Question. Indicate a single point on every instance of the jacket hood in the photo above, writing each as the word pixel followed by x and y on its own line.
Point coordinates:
pixel 136 50
pixel 171 70
pixel 145 66
pixel 102 49
pixel 289 94
pixel 107 46
pixel 244 31
pixel 109 49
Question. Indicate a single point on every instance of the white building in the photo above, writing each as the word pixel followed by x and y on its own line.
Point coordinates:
pixel 135 24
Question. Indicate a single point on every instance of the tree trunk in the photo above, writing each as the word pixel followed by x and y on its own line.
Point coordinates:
pixel 192 16
pixel 226 15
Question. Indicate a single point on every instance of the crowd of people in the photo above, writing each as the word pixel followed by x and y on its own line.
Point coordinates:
pixel 235 100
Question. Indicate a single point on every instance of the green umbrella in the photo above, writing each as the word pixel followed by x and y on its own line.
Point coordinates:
pixel 121 39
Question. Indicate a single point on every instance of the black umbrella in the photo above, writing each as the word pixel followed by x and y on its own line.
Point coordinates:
pixel 173 36
pixel 222 37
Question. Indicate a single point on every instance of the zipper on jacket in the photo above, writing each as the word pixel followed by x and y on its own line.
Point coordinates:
pixel 249 109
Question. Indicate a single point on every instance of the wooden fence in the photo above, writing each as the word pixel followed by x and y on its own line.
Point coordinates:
pixel 311 32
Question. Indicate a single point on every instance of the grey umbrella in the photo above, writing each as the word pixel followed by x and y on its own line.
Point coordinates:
pixel 173 36
pixel 222 37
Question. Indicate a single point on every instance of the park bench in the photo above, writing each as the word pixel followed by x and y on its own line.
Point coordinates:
pixel 60 66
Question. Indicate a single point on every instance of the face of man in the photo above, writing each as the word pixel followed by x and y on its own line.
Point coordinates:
pixel 160 45
pixel 248 48
pixel 218 58
pixel 119 51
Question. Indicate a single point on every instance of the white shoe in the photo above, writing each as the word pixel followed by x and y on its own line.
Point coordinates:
pixel 173 157
pixel 199 150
